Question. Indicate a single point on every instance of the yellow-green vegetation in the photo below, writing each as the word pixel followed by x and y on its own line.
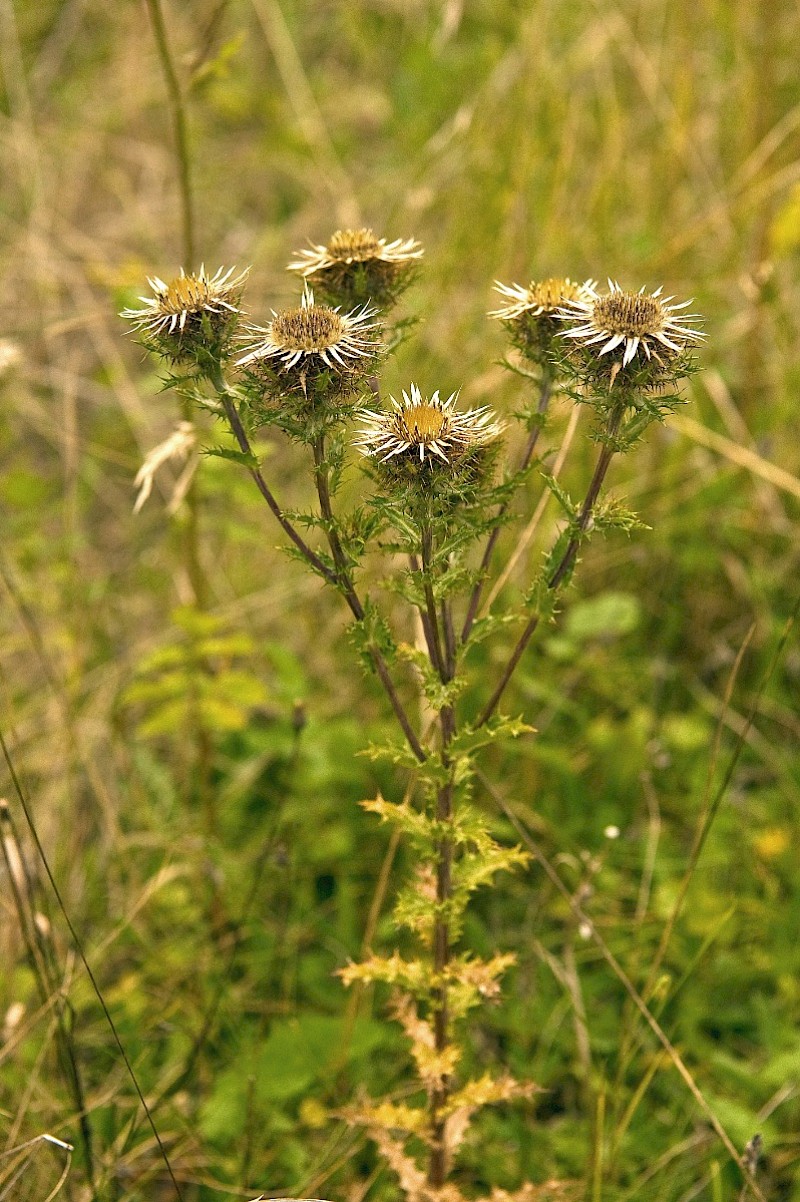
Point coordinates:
pixel 190 740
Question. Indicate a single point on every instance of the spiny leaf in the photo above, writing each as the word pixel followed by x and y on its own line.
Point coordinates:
pixel 411 821
pixel 468 740
pixel 389 1116
pixel 246 458
pixel 563 497
pixel 413 975
pixel 481 975
pixel 474 871
pixel 613 515
pixel 488 1090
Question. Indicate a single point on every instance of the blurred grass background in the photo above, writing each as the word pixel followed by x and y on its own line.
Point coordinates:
pixel 648 141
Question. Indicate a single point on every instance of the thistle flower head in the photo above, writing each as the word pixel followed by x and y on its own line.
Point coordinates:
pixel 422 426
pixel 532 314
pixel 190 312
pixel 312 339
pixel 540 298
pixel 355 266
pixel 618 329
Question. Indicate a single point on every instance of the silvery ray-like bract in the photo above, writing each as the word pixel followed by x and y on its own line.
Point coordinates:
pixel 312 332
pixel 355 246
pixel 175 304
pixel 424 426
pixel 643 323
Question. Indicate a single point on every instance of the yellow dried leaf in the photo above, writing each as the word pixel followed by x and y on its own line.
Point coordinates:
pixel 487 1090
pixel 388 1116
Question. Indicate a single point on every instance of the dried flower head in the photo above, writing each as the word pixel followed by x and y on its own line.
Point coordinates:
pixel 422 426
pixel 190 312
pixel 356 266
pixel 540 298
pixel 10 356
pixel 532 313
pixel 617 329
pixel 311 341
pixel 180 447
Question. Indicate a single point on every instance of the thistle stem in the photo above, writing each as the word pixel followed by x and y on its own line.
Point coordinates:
pixel 344 581
pixel 444 663
pixel 340 578
pixel 379 663
pixel 413 563
pixel 564 565
pixel 437 658
pixel 239 433
pixel 438 1164
pixel 184 164
pixel 344 578
pixel 191 534
pixel 475 598
pixel 449 638
pixel 587 508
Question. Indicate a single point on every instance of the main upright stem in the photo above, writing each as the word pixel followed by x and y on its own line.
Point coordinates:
pixel 439 1160
pixel 442 652
pixel 438 1165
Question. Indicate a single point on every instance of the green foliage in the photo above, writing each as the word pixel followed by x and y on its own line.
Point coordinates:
pixel 300 1056
pixel 372 632
pixel 197 680
pixel 244 458
pixel 513 142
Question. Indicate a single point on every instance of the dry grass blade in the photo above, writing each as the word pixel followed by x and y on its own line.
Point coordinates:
pixel 21 1156
pixel 77 944
pixel 741 456
pixel 309 118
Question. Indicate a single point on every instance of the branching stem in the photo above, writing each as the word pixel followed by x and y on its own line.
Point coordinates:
pixel 340 578
pixel 449 633
pixel 564 565
pixel 343 577
pixel 437 658
pixel 344 581
pixel 413 563
pixel 475 598
pixel 240 434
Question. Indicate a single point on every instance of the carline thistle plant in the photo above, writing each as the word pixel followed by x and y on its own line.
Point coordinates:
pixel 356 267
pixel 434 502
pixel 191 316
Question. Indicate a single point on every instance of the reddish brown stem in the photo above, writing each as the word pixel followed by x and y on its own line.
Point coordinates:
pixel 340 577
pixel 240 435
pixel 475 598
pixel 343 579
pixel 565 564
pixel 438 1165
